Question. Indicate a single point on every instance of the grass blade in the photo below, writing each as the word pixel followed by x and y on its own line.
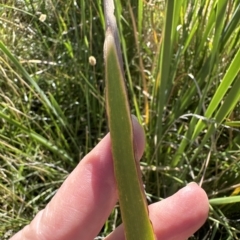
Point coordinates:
pixel 229 77
pixel 224 200
pixel 165 62
pixel 130 190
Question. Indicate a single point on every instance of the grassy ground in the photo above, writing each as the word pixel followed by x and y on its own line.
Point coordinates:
pixel 184 90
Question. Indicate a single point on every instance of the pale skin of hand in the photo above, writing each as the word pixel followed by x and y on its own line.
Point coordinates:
pixel 87 197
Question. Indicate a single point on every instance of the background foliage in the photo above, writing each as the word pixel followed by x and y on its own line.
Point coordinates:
pixel 184 87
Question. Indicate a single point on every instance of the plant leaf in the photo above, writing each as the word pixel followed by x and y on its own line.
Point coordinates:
pixel 130 189
pixel 224 200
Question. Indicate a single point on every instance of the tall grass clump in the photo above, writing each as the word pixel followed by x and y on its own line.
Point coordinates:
pixel 181 61
pixel 51 107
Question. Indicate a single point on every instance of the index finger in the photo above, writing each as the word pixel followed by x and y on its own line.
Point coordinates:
pixel 85 199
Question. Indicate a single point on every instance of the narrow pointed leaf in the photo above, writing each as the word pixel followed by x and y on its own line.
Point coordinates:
pixel 132 199
pixel 224 200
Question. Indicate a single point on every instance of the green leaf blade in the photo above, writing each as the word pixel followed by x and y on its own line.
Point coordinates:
pixel 131 196
pixel 132 199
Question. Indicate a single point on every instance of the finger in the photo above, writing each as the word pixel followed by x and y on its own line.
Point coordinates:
pixel 85 200
pixel 176 217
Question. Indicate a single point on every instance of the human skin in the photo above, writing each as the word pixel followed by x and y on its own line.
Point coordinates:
pixel 86 198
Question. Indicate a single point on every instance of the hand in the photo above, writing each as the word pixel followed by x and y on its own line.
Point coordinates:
pixel 87 197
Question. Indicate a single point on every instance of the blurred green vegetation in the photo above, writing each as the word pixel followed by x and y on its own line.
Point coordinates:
pixel 184 87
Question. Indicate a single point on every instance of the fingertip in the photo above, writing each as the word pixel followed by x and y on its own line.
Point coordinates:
pixel 181 215
pixel 198 200
pixel 139 137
